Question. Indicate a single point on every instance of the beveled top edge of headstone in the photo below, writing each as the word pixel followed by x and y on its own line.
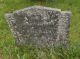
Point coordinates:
pixel 43 7
pixel 38 7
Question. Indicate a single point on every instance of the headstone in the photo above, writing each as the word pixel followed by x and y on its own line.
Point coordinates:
pixel 39 26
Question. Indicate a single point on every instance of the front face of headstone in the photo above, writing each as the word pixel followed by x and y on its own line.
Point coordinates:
pixel 35 26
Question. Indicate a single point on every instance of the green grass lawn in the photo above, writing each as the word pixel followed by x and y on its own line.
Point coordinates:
pixel 8 49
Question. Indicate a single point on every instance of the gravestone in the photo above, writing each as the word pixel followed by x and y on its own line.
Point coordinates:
pixel 39 26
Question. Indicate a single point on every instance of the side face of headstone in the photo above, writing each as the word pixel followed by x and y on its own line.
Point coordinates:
pixel 63 29
pixel 39 26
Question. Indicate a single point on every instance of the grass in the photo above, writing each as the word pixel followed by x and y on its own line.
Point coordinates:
pixel 8 49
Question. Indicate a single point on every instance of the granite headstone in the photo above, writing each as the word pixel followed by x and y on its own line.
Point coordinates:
pixel 39 26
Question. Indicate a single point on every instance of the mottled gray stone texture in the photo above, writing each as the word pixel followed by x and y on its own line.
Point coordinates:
pixel 39 26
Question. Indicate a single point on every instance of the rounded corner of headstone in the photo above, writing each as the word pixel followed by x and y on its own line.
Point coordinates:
pixel 67 12
pixel 7 15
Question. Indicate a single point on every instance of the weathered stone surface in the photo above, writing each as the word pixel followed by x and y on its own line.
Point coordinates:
pixel 39 26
